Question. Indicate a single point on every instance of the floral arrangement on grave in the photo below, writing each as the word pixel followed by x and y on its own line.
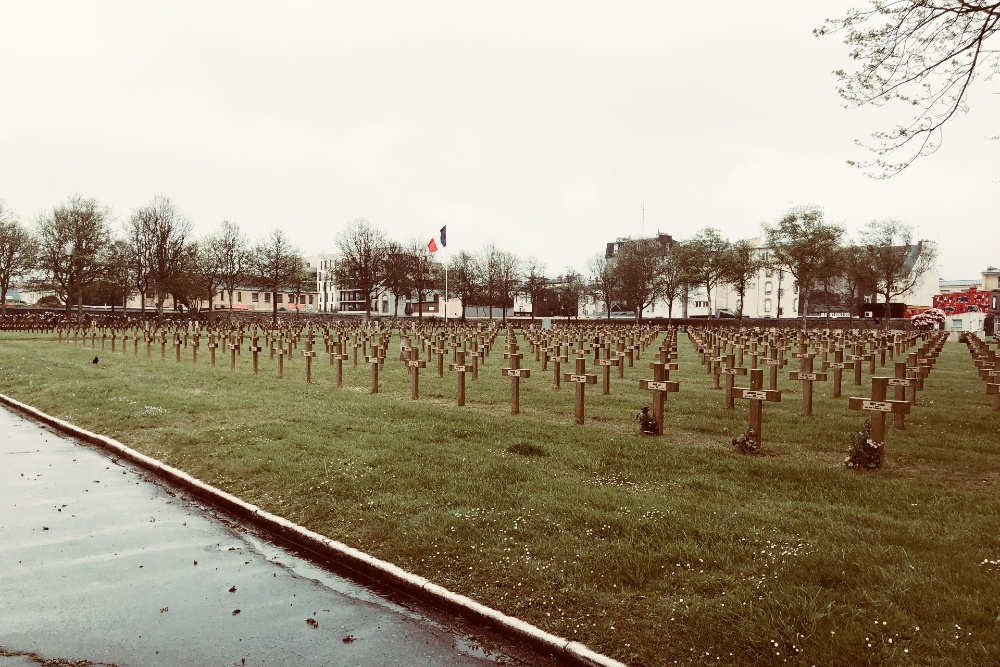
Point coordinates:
pixel 748 443
pixel 863 454
pixel 646 422
pixel 929 319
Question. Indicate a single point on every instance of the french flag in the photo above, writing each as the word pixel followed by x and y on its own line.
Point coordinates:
pixel 437 242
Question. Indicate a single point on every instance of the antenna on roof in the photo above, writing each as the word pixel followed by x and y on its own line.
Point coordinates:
pixel 642 230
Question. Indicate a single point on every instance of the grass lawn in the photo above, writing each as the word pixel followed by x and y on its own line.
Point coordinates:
pixel 651 550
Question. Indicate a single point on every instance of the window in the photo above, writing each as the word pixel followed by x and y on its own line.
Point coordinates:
pixel 310 299
pixel 302 299
pixel 279 298
pixel 267 297
pixel 795 288
pixel 701 304
pixel 781 292
pixel 239 297
pixel 254 297
pixel 767 305
pixel 385 306
pixel 769 273
pixel 768 287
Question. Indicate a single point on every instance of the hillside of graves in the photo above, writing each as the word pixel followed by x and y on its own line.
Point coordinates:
pixel 545 500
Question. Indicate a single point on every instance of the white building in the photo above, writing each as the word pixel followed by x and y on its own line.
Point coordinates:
pixel 774 293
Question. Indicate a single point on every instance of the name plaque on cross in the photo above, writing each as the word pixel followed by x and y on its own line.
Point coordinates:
pixel 582 379
pixel 516 372
pixel 654 385
pixel 460 369
pixel 899 382
pixel 756 395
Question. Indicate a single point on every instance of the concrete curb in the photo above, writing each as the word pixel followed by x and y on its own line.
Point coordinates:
pixel 379 570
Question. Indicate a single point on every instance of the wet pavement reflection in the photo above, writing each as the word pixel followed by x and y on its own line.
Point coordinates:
pixel 99 563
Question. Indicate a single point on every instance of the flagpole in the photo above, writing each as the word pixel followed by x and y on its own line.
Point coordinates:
pixel 446 285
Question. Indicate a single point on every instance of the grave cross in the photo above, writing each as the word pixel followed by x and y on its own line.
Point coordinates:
pixel 212 345
pixel 375 360
pixel 879 406
pixel 993 388
pixel 557 360
pixel 232 352
pixel 280 351
pixel 857 358
pixel 902 385
pixel 581 378
pixel 309 353
pixel 731 370
pixel 756 394
pixel 660 387
pixel 515 373
pixel 337 358
pixel 255 349
pixel 992 378
pixel 838 365
pixel 715 367
pixel 807 377
pixel 607 362
pixel 440 350
pixel 460 369
pixel 415 363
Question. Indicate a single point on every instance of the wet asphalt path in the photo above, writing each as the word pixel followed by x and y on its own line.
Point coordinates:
pixel 99 563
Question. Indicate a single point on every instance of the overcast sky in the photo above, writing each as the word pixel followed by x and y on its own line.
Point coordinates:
pixel 542 126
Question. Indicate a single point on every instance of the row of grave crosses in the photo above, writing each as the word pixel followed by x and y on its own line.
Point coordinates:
pixel 908 375
pixel 988 364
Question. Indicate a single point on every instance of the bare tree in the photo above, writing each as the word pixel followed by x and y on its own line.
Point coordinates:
pixel 602 277
pixel 139 255
pixel 185 285
pixel 207 271
pixel 17 252
pixel 489 260
pixel 570 292
pixel 72 240
pixel 363 252
pixel 535 283
pixel 303 283
pixel 675 279
pixel 804 245
pixel 466 279
pixel 275 266
pixel 115 284
pixel 509 283
pixel 159 234
pixel 230 251
pixel 707 254
pixel 741 264
pixel 857 278
pixel 429 275
pixel 921 54
pixel 401 268
pixel 898 264
pixel 638 275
